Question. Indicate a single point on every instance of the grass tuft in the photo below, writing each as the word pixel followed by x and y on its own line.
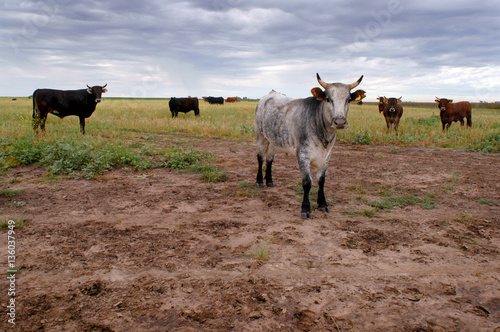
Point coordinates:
pixel 262 251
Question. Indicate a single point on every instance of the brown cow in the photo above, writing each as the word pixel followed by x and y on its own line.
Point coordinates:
pixel 231 99
pixel 453 112
pixel 393 111
pixel 381 104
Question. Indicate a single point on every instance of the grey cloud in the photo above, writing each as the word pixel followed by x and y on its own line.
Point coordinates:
pixel 209 44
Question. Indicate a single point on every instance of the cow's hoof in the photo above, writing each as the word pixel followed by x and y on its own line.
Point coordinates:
pixel 270 184
pixel 259 185
pixel 324 209
pixel 306 215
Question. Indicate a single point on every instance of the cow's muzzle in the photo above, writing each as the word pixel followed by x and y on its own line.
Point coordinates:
pixel 98 100
pixel 392 110
pixel 339 123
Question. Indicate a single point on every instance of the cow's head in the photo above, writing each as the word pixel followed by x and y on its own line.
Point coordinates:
pixel 442 103
pixel 97 91
pixel 338 96
pixel 391 103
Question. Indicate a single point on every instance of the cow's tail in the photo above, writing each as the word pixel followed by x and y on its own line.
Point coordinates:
pixel 34 104
pixel 469 116
pixel 36 116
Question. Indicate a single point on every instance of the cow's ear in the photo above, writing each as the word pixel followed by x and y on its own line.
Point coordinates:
pixel 437 100
pixel 399 100
pixel 358 95
pixel 104 90
pixel 318 93
pixel 450 101
pixel 89 90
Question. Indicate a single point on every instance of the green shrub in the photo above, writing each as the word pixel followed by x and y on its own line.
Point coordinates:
pixel 491 143
pixel 67 156
pixel 211 173
pixel 361 139
pixel 180 159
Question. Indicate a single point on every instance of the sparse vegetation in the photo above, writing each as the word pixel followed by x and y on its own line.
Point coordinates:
pixel 19 223
pixel 262 251
pixel 10 192
pixel 388 203
pixel 487 201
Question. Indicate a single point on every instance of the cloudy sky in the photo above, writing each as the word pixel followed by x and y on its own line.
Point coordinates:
pixel 152 48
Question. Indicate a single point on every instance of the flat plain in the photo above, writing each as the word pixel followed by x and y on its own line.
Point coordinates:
pixel 412 241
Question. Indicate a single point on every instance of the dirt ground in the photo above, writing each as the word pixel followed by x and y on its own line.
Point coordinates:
pixel 159 250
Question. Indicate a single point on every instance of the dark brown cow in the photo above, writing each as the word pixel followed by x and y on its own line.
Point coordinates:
pixel 393 111
pixel 453 112
pixel 62 103
pixel 381 104
pixel 231 99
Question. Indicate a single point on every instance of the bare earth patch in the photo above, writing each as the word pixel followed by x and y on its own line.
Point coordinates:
pixel 160 250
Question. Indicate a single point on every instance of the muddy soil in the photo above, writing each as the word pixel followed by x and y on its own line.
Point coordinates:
pixel 160 250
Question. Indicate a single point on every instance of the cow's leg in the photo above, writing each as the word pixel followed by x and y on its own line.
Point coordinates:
pixel 469 121
pixel 462 122
pixel 262 146
pixel 396 126
pixel 303 159
pixel 260 178
pixel 269 165
pixel 42 123
pixel 82 125
pixel 36 122
pixel 322 204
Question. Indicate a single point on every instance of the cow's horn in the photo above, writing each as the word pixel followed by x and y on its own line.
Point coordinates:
pixel 105 85
pixel 355 84
pixel 321 82
pixel 88 86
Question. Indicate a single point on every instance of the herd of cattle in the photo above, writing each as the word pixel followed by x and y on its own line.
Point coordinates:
pixel 448 111
pixel 82 103
pixel 305 127
pixel 188 104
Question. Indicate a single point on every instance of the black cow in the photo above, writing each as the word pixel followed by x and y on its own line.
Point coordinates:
pixel 184 105
pixel 214 100
pixel 62 103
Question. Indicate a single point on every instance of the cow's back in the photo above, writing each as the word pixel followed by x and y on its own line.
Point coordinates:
pixel 275 120
pixel 463 108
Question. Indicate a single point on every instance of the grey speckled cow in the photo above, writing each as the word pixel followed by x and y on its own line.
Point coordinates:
pixel 305 127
